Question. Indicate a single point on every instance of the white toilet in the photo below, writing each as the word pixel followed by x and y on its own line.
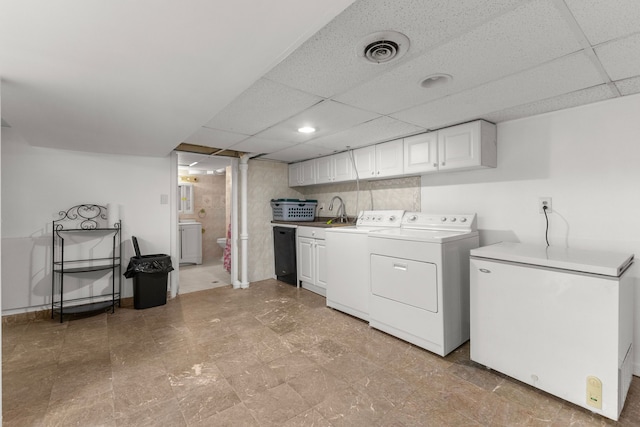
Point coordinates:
pixel 222 242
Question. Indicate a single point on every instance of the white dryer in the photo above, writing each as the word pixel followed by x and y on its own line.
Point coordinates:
pixel 348 261
pixel 420 279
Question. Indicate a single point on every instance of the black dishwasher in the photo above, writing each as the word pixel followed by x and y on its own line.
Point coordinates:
pixel 284 249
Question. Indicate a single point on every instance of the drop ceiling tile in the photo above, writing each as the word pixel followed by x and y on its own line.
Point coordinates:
pixel 327 63
pixel 568 100
pixel 602 21
pixel 264 104
pixel 564 75
pixel 621 58
pixel 299 152
pixel 374 131
pixel 327 117
pixel 255 144
pixel 215 138
pixel 629 86
pixel 204 162
pixel 517 40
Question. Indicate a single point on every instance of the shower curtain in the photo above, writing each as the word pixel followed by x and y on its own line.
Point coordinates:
pixel 227 251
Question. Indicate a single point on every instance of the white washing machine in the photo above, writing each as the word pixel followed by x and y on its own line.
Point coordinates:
pixel 559 319
pixel 420 279
pixel 348 261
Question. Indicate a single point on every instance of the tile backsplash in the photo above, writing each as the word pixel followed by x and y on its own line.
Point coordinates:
pixel 269 180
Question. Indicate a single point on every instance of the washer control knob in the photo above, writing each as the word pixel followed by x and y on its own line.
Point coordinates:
pixel 413 217
pixel 443 219
pixel 463 219
pixel 453 220
pixel 392 218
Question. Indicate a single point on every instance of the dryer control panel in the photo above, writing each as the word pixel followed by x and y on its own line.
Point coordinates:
pixel 430 221
pixel 383 218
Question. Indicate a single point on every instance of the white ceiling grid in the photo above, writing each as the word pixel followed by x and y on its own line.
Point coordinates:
pixel 507 58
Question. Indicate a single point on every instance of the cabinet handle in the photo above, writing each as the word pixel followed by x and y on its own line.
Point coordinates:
pixel 442 163
pixel 435 165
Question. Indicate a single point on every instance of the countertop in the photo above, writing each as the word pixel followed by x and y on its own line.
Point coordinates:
pixel 318 222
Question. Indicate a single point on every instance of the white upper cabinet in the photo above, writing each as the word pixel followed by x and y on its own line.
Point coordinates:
pixel 467 146
pixel 334 168
pixel 421 153
pixel 365 159
pixel 302 173
pixel 294 171
pixel 343 166
pixel 379 161
pixel 389 159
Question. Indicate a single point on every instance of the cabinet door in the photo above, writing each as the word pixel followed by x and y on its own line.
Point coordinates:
pixel 459 146
pixel 324 170
pixel 389 159
pixel 294 174
pixel 421 153
pixel 342 167
pixel 191 243
pixel 305 259
pixel 365 159
pixel 308 172
pixel 321 263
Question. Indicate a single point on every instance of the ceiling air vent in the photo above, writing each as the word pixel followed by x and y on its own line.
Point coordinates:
pixel 382 47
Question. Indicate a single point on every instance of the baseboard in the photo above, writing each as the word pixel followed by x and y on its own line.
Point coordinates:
pixel 42 313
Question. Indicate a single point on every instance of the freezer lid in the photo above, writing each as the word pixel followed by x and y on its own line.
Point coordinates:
pixel 586 261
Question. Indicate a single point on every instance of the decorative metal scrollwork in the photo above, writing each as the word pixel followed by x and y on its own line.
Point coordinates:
pixel 83 217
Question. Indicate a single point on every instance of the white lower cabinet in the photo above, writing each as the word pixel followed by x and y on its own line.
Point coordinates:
pixel 190 243
pixel 312 259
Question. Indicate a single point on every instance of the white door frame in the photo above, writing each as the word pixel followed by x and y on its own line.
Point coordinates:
pixel 174 276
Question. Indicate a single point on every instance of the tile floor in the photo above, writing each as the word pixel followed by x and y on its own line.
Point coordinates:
pixel 270 355
pixel 205 276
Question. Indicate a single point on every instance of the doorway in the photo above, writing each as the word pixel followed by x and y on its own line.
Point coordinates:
pixel 204 200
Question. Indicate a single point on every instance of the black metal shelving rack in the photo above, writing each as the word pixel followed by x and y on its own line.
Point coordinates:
pixel 91 221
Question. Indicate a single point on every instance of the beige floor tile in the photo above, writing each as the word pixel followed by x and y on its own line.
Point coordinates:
pixel 276 405
pixel 268 355
pixel 235 416
pixel 348 407
pixel 166 414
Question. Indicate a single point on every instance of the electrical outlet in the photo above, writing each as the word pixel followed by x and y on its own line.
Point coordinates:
pixel 321 206
pixel 542 202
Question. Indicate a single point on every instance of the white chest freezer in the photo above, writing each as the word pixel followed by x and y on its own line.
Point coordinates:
pixel 558 319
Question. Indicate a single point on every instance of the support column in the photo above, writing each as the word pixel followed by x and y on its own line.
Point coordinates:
pixel 235 219
pixel 244 234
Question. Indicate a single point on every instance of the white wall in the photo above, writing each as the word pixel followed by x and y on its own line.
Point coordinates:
pixel 587 159
pixel 266 180
pixel 38 182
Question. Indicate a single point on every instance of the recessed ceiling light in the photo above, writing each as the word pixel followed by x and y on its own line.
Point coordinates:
pixel 193 164
pixel 306 129
pixel 435 80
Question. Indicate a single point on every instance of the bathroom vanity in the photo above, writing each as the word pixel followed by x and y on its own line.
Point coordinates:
pixel 190 235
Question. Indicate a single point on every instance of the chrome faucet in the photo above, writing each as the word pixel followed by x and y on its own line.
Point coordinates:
pixel 342 216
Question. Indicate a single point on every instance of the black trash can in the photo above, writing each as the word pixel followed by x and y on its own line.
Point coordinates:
pixel 150 274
